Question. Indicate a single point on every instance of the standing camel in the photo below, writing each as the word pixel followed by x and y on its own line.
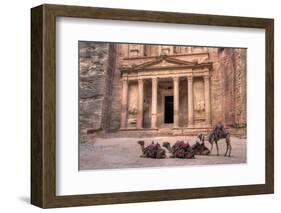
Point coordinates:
pixel 219 132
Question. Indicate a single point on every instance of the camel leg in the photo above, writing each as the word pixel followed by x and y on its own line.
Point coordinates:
pixel 229 150
pixel 227 147
pixel 217 148
pixel 211 148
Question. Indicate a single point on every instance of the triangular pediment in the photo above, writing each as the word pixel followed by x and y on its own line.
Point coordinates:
pixel 164 62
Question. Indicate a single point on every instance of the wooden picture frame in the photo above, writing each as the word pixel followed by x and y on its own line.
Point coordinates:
pixel 43 105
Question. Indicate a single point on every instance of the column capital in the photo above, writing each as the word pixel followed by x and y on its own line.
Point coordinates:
pixel 154 79
pixel 190 78
pixel 206 77
pixel 124 80
pixel 140 80
pixel 176 78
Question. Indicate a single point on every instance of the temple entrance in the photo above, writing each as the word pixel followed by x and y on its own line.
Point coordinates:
pixel 169 109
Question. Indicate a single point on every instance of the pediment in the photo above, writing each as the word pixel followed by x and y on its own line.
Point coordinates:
pixel 163 62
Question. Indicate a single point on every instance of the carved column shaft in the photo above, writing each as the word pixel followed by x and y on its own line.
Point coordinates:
pixel 154 104
pixel 140 104
pixel 176 102
pixel 190 100
pixel 124 103
pixel 207 99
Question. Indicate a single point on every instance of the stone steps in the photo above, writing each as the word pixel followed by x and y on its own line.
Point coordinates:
pixel 140 133
pixel 152 133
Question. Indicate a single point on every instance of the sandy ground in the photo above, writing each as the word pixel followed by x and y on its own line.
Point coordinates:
pixel 111 153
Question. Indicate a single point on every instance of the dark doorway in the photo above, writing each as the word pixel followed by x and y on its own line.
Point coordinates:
pixel 169 109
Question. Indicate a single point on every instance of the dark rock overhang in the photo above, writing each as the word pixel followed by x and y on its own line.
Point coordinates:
pixel 173 64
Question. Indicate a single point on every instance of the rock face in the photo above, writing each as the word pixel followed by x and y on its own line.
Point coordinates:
pixel 233 62
pixel 100 86
pixel 97 63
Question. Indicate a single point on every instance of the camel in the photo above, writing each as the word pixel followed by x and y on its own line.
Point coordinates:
pixel 152 150
pixel 199 147
pixel 179 150
pixel 219 132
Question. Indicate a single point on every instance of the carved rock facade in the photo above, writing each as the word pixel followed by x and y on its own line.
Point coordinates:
pixel 180 89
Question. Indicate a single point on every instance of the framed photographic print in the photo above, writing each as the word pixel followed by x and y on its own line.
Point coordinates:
pixel 137 106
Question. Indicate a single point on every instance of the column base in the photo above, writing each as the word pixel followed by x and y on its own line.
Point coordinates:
pixel 122 128
pixel 137 129
pixel 177 131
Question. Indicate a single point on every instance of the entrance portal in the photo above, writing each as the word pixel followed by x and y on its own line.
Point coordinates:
pixel 169 109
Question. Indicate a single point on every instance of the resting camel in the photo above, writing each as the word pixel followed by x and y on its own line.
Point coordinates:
pixel 152 150
pixel 219 132
pixel 199 147
pixel 179 150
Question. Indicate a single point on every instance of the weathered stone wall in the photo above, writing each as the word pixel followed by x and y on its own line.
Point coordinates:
pixel 240 88
pixel 115 112
pixel 217 88
pixel 232 63
pixel 97 63
pixel 111 67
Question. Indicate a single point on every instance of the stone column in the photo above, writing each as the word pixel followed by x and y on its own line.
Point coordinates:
pixel 207 99
pixel 140 104
pixel 190 100
pixel 124 103
pixel 176 102
pixel 154 104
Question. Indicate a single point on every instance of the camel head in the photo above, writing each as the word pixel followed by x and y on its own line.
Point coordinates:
pixel 166 144
pixel 201 137
pixel 141 143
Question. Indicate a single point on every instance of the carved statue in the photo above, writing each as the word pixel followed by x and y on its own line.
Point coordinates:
pixel 133 110
pixel 200 105
pixel 152 150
